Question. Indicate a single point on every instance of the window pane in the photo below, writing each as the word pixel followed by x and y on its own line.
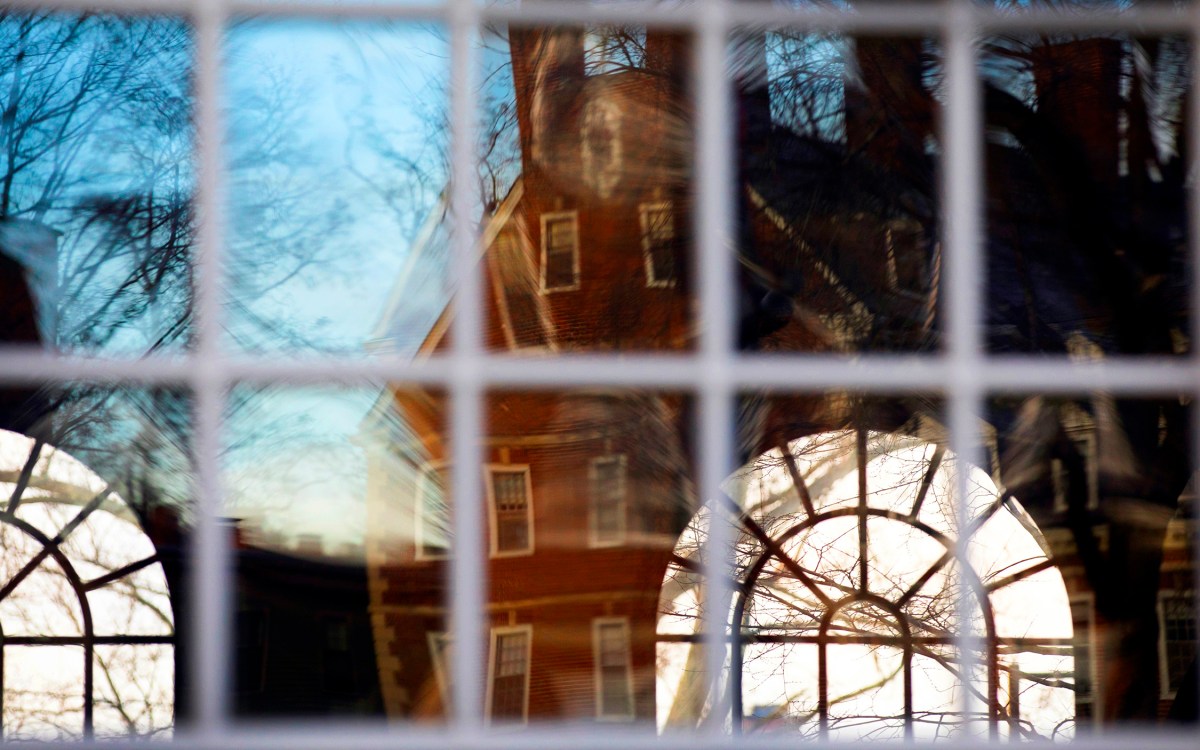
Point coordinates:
pixel 96 183
pixel 337 185
pixel 610 492
pixel 838 209
pixel 1086 193
pixel 341 543
pixel 1113 524
pixel 94 531
pixel 580 129
pixel 510 677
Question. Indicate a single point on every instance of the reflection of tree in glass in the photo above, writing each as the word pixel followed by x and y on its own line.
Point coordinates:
pixel 83 592
pixel 1085 252
pixel 95 149
pixel 848 586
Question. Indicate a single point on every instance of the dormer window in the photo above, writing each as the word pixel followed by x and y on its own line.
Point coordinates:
pixel 560 251
pixel 658 243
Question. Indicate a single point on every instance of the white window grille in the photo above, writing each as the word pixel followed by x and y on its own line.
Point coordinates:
pixel 614 674
pixel 715 371
pixel 511 504
pixel 508 675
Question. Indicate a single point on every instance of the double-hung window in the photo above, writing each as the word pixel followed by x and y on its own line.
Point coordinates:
pixel 508 675
pixel 279 277
pixel 560 251
pixel 657 222
pixel 606 496
pixel 511 502
pixel 614 675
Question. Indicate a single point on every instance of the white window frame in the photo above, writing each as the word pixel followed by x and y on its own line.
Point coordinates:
pixel 644 212
pixel 493 514
pixel 511 231
pixel 714 370
pixel 419 517
pixel 622 501
pixel 496 634
pixel 546 218
pixel 598 624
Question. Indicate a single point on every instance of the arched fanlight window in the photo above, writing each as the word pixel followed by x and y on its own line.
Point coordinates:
pixel 86 624
pixel 845 614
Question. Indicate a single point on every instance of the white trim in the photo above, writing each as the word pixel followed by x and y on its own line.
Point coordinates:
pixel 423 478
pixel 515 232
pixel 493 521
pixel 622 498
pixel 496 633
pixel 644 211
pixel 597 669
pixel 573 215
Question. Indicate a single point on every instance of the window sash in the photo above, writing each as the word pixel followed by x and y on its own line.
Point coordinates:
pixel 560 251
pixel 658 242
pixel 613 669
pixel 607 501
pixel 510 505
pixel 508 674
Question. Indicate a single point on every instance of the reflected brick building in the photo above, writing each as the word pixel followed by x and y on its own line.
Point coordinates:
pixel 588 492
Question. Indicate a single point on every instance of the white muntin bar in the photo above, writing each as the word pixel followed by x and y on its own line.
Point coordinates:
pixel 962 203
pixel 880 374
pixel 211 589
pixel 1192 225
pixel 331 733
pixel 905 18
pixel 713 222
pixel 1193 234
pixel 468 569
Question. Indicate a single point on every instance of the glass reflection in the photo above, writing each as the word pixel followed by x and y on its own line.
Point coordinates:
pixel 96 181
pixel 317 483
pixel 92 532
pixel 837 203
pixel 607 490
pixel 1086 186
pixel 336 163
pixel 848 573
pixel 586 146
pixel 1111 484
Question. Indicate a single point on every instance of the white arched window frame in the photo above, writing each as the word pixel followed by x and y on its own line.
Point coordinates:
pixel 85 608
pixel 848 549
